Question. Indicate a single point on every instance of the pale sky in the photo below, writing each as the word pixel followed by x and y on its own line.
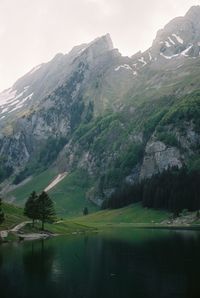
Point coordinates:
pixel 33 31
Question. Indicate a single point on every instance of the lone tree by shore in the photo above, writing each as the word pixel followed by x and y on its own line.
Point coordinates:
pixel 40 207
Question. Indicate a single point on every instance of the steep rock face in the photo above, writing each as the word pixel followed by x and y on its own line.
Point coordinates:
pixel 15 149
pixel 159 157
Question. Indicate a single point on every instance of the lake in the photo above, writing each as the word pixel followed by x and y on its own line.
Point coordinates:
pixel 136 263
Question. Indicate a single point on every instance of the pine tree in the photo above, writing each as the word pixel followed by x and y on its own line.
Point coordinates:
pixel 85 211
pixel 46 210
pixel 2 217
pixel 31 207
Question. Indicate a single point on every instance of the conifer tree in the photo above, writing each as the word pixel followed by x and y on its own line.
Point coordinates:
pixel 46 210
pixel 31 207
pixel 85 211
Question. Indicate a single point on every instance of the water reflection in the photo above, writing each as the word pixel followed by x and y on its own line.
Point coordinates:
pixel 128 263
pixel 38 260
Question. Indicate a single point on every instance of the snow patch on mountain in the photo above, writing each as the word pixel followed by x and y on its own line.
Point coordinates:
pixel 82 50
pixel 26 98
pixel 142 60
pixel 4 110
pixel 26 88
pixel 150 57
pixel 6 96
pixel 169 57
pixel 168 45
pixel 16 108
pixel 171 40
pixel 15 104
pixel 127 67
pixel 185 52
pixel 178 38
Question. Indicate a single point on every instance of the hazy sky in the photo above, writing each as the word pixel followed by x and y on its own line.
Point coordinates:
pixel 33 31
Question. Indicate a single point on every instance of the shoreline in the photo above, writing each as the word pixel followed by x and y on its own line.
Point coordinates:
pixel 98 228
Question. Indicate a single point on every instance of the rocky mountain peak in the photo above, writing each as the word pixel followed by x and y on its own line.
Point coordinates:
pixel 180 38
pixel 30 88
pixel 193 13
pixel 99 46
pixel 176 42
pixel 105 41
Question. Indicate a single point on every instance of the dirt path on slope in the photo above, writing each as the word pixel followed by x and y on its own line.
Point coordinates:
pixel 29 236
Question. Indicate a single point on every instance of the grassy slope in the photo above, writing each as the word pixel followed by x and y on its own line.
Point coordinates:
pixel 37 183
pixel 61 228
pixel 134 214
pixel 131 216
pixel 68 195
pixel 13 216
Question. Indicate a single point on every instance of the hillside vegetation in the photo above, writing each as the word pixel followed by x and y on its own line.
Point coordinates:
pixel 13 216
pixel 132 214
pixel 69 195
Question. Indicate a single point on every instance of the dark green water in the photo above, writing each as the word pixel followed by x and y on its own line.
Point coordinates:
pixel 124 263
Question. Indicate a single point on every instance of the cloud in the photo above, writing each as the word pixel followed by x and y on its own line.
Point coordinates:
pixel 32 32
pixel 2 30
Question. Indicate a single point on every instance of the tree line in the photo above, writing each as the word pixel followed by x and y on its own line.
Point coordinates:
pixel 174 190
pixel 39 207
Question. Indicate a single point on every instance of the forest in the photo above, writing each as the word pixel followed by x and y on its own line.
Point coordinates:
pixel 174 190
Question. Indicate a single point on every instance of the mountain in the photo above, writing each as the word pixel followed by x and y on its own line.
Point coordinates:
pixel 113 120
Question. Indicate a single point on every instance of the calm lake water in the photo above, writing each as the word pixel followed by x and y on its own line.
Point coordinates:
pixel 123 263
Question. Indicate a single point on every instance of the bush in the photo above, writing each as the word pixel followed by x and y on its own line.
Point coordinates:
pixel 168 138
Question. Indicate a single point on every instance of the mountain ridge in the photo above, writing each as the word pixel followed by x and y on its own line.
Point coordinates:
pixel 112 117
